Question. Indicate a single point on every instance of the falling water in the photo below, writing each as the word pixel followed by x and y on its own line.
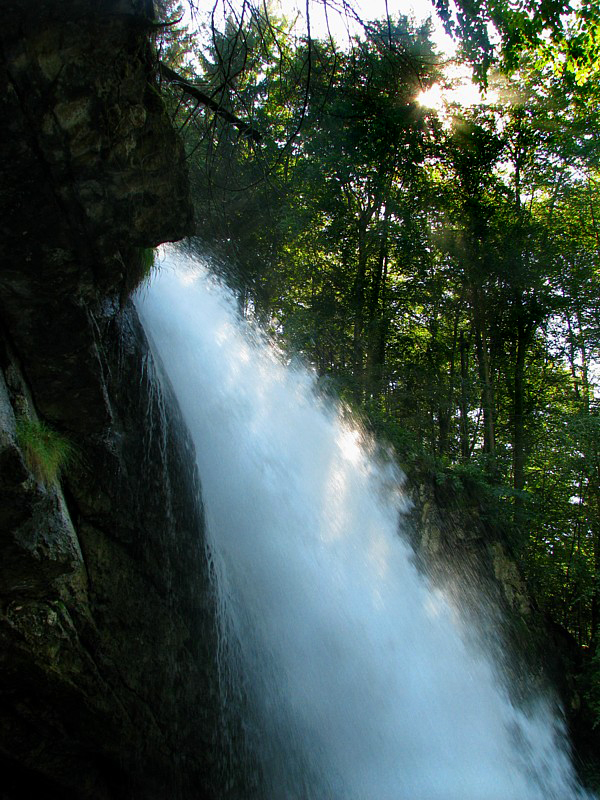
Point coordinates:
pixel 359 682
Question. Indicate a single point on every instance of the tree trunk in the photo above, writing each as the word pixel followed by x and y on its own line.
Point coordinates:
pixel 358 304
pixel 377 334
pixel 485 375
pixel 446 408
pixel 524 334
pixel 465 450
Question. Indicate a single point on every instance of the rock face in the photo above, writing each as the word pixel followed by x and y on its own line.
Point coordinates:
pixel 108 682
pixel 469 557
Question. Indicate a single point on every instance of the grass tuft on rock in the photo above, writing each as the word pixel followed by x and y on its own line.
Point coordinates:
pixel 141 263
pixel 46 452
pixel 146 256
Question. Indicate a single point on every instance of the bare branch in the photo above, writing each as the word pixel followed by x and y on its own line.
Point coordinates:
pixel 193 91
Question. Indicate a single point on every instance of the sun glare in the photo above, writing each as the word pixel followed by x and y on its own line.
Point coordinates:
pixel 461 92
pixel 432 97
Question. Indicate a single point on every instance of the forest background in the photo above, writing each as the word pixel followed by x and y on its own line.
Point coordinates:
pixel 438 267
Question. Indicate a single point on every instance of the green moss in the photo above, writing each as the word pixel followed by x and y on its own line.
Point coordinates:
pixel 46 452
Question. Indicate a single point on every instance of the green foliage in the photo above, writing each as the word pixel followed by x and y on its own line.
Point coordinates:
pixel 141 264
pixel 560 33
pixel 442 274
pixel 46 452
pixel 147 260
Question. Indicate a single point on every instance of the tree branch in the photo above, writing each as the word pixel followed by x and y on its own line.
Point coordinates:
pixel 244 128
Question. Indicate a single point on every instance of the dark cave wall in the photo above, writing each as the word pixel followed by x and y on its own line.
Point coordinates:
pixel 108 684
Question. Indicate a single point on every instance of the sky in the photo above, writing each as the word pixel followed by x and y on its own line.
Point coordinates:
pixel 368 10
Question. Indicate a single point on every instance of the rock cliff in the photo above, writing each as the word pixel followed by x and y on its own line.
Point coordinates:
pixel 108 686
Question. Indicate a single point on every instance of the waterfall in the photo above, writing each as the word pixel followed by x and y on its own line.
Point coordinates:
pixel 359 679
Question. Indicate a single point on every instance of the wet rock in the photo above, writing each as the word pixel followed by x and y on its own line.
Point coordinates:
pixel 108 678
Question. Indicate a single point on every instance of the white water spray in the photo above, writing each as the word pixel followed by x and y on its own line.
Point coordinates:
pixel 358 681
